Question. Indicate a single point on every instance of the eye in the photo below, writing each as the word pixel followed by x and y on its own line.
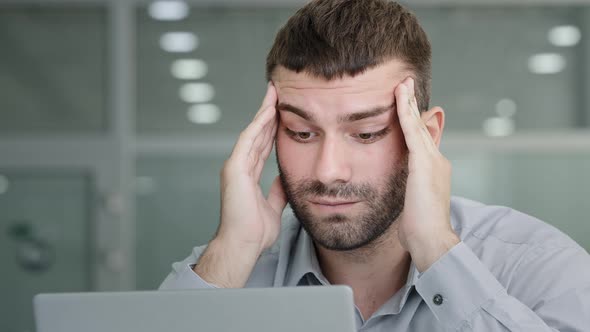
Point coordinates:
pixel 301 136
pixel 367 138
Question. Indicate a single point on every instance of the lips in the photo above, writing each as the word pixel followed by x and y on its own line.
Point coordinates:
pixel 331 206
pixel 332 202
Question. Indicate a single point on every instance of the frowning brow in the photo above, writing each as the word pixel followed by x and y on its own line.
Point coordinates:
pixel 364 114
pixel 351 117
pixel 295 110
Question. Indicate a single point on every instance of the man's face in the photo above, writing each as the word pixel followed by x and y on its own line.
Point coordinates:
pixel 341 153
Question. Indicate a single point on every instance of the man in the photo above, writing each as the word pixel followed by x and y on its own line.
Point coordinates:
pixel 357 149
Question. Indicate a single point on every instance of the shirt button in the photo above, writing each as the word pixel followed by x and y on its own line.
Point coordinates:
pixel 437 299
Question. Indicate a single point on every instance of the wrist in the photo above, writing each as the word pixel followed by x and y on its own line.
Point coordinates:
pixel 426 252
pixel 226 264
pixel 234 244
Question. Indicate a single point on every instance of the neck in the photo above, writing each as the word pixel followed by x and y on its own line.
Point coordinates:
pixel 375 273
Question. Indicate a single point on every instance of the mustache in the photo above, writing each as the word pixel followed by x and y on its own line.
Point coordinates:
pixel 345 190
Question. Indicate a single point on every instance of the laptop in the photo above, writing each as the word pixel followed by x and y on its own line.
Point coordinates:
pixel 289 309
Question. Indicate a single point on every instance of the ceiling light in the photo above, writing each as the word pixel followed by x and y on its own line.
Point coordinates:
pixel 564 35
pixel 547 63
pixel 189 69
pixel 506 107
pixel 168 10
pixel 4 184
pixel 197 92
pixel 179 42
pixel 498 126
pixel 204 113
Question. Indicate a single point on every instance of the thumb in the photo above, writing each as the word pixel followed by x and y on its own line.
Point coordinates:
pixel 276 196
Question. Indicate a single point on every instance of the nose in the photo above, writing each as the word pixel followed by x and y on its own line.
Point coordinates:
pixel 333 162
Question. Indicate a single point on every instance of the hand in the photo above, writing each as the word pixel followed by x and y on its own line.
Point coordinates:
pixel 424 227
pixel 248 219
pixel 250 222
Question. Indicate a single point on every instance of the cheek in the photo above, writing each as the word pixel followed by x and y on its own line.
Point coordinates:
pixel 377 160
pixel 289 155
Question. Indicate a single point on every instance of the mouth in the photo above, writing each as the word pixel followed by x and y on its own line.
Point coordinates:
pixel 332 205
pixel 331 202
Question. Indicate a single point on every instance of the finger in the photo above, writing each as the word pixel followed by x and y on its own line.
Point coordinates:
pixel 408 120
pixel 269 140
pixel 260 140
pixel 412 97
pixel 263 157
pixel 270 98
pixel 262 145
pixel 255 128
pixel 245 156
pixel 428 141
pixel 425 137
pixel 269 102
pixel 247 138
pixel 276 196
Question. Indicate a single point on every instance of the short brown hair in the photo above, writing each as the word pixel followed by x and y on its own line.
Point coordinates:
pixel 333 38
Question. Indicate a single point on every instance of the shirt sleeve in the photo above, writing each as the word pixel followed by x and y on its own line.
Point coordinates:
pixel 465 296
pixel 183 276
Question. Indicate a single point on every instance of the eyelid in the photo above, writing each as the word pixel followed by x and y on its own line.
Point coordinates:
pixel 294 135
pixel 373 132
pixel 377 135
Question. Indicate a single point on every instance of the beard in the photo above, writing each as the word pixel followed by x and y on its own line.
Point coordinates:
pixel 347 232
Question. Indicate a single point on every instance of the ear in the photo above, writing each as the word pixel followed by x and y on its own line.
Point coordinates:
pixel 434 119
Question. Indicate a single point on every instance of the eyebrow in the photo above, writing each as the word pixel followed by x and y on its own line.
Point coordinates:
pixel 351 117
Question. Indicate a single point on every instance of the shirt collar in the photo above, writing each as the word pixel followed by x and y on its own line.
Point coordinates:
pixel 303 261
pixel 395 304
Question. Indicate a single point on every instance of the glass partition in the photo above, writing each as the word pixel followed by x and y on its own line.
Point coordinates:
pixel 54 69
pixel 501 70
pixel 215 84
pixel 553 187
pixel 45 239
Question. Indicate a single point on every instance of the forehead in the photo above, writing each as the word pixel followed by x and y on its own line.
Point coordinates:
pixel 374 87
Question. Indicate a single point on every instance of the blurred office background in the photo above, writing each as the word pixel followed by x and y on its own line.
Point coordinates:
pixel 116 116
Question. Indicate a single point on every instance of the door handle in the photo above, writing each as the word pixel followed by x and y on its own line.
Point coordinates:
pixel 33 254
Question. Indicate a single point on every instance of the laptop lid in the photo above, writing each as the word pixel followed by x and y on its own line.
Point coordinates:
pixel 289 309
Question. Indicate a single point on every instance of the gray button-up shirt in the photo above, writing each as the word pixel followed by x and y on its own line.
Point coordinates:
pixel 510 272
